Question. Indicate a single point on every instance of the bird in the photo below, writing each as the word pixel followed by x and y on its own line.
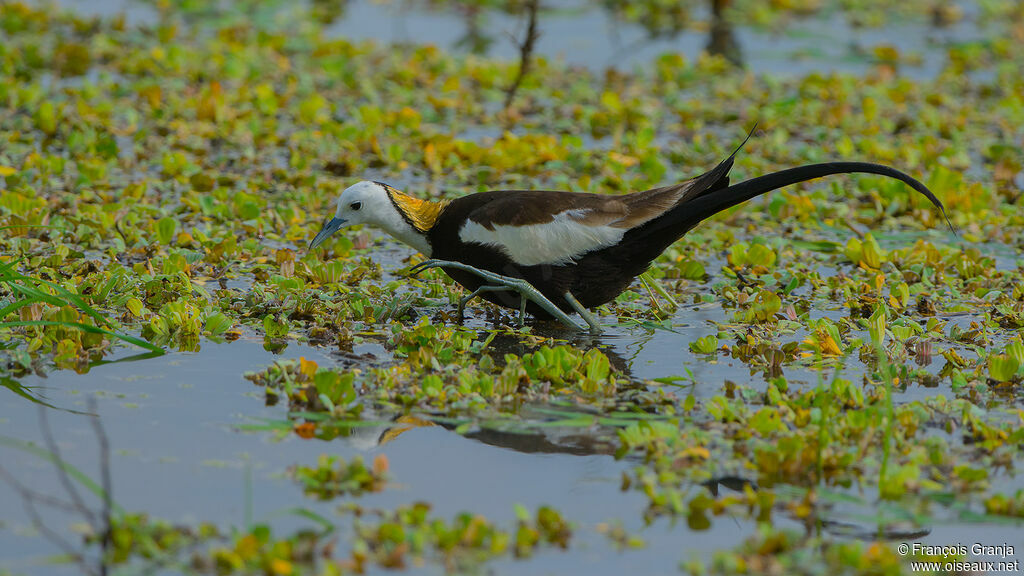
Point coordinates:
pixel 552 253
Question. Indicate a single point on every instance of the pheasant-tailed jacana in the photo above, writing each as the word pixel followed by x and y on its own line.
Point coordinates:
pixel 551 253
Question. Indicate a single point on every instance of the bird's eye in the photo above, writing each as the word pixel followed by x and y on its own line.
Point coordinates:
pixel 355 205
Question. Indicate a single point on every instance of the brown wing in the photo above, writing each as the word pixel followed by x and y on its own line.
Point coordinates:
pixel 526 207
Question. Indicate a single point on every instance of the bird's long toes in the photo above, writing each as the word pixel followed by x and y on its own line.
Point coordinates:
pixel 423 266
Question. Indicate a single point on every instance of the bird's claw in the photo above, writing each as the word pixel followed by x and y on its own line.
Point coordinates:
pixel 426 265
pixel 500 282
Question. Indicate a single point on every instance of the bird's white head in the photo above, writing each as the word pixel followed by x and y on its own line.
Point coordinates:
pixel 381 206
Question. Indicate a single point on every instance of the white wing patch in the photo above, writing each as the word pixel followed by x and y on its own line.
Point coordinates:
pixel 559 241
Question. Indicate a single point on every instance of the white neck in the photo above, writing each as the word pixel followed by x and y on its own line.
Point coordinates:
pixel 393 223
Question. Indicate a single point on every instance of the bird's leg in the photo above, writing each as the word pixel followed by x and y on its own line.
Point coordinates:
pixel 587 315
pixel 465 299
pixel 522 310
pixel 524 288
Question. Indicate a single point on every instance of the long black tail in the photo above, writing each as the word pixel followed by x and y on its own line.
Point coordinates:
pixel 712 202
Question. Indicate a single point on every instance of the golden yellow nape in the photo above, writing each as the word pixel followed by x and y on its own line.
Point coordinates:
pixel 421 213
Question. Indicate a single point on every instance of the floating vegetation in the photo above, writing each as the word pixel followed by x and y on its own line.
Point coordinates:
pixel 402 538
pixel 60 319
pixel 828 356
pixel 392 539
pixel 334 477
pixel 308 387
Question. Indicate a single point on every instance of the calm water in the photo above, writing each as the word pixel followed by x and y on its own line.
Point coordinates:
pixel 174 422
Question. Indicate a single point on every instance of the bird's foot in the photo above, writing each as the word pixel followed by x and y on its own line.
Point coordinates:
pixel 591 319
pixel 465 299
pixel 500 282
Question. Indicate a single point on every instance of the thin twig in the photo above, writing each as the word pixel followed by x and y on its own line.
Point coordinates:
pixel 45 499
pixel 52 536
pixel 106 513
pixel 525 51
pixel 65 480
pixel 103 525
pixel 28 498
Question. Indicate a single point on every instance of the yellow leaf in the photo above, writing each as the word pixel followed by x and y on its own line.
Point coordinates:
pixel 829 346
pixel 624 160
pixel 380 464
pixel 7 171
pixel 305 430
pixel 802 510
pixel 307 367
pixel 247 546
pixel 696 452
pixel 281 567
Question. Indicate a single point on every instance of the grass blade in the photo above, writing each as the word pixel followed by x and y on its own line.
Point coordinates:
pixel 87 328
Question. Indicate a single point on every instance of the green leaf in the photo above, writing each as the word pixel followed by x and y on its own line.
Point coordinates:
pixel 705 345
pixel 876 324
pixel 165 229
pixel 335 386
pixel 1015 350
pixel 766 421
pixel 46 117
pixel 1002 367
pixel 217 323
pixel 691 270
pixel 274 329
pixel 134 305
pixel 432 385
pixel 872 255
pixel 760 255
